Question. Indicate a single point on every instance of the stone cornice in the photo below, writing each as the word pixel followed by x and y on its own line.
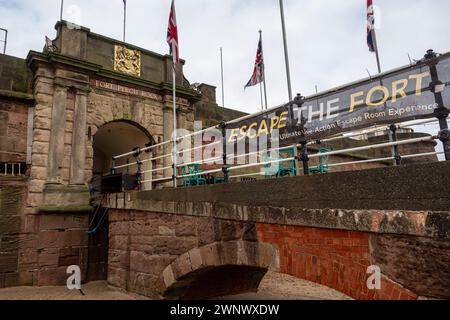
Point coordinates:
pixel 54 58
pixel 16 95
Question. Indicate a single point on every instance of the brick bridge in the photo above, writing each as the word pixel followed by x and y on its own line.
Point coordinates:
pixel 210 241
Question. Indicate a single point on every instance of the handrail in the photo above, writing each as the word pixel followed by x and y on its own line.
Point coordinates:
pixel 418 155
pixel 376 146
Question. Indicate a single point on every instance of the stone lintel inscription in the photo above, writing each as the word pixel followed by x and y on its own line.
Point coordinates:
pixel 124 89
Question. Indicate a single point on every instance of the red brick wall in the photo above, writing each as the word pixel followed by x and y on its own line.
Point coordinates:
pixel 336 259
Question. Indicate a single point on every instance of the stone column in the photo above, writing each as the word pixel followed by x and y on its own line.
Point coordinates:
pixel 167 135
pixel 78 159
pixel 58 126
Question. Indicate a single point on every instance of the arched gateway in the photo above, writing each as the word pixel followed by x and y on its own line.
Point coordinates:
pixel 65 112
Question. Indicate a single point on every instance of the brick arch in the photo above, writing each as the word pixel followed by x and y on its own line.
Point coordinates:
pixel 219 269
pixel 337 259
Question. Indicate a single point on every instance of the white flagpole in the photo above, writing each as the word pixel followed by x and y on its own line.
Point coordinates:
pixel 263 69
pixel 62 10
pixel 124 20
pixel 375 44
pixel 286 55
pixel 174 124
pixel 261 93
pixel 221 71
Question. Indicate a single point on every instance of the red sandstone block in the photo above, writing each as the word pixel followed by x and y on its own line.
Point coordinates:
pixel 50 239
pixel 49 257
pixel 76 238
pixel 52 276
pixel 117 277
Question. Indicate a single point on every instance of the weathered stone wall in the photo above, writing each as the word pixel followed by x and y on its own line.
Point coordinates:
pixel 15 101
pixel 415 262
pixel 15 76
pixel 96 49
pixel 147 252
pixel 166 254
pixel 12 198
pixel 13 130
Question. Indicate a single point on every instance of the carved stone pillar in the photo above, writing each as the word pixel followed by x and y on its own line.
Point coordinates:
pixel 58 126
pixel 78 159
pixel 167 136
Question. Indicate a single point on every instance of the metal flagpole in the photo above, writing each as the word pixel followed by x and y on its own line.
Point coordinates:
pixel 124 19
pixel 174 125
pixel 286 55
pixel 263 70
pixel 392 131
pixel 221 70
pixel 375 44
pixel 261 93
pixel 62 10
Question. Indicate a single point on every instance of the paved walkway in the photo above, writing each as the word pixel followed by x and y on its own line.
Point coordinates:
pixel 273 287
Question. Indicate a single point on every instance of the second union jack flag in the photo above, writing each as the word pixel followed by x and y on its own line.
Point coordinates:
pixel 172 34
pixel 258 71
pixel 370 26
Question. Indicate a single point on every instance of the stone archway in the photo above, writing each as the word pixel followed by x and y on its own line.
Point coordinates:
pixel 114 138
pixel 111 139
pixel 219 269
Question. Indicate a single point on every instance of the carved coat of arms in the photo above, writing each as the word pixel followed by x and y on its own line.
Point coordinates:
pixel 127 60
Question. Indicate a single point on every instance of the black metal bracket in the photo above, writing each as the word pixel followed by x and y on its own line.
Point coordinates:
pixel 137 152
pixel 304 157
pixel 113 164
pixel 444 135
pixel 148 145
pixel 223 127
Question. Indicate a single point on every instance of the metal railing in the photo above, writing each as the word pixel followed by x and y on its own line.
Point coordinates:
pixel 226 162
pixel 12 169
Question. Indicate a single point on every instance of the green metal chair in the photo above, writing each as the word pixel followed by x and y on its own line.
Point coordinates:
pixel 192 175
pixel 323 163
pixel 269 172
pixel 219 180
pixel 287 168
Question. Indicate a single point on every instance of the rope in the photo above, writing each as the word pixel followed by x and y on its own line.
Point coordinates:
pixel 102 220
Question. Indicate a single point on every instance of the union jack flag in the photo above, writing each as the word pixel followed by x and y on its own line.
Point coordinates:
pixel 172 34
pixel 370 26
pixel 258 71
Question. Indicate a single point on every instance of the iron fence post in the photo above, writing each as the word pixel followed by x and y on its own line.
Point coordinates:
pixel 441 112
pixel 395 149
pixel 297 159
pixel 304 157
pixel 113 166
pixel 223 126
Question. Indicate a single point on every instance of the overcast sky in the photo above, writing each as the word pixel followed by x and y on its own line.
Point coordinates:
pixel 327 44
pixel 327 39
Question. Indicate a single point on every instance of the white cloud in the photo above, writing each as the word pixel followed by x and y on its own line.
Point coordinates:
pixel 326 38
